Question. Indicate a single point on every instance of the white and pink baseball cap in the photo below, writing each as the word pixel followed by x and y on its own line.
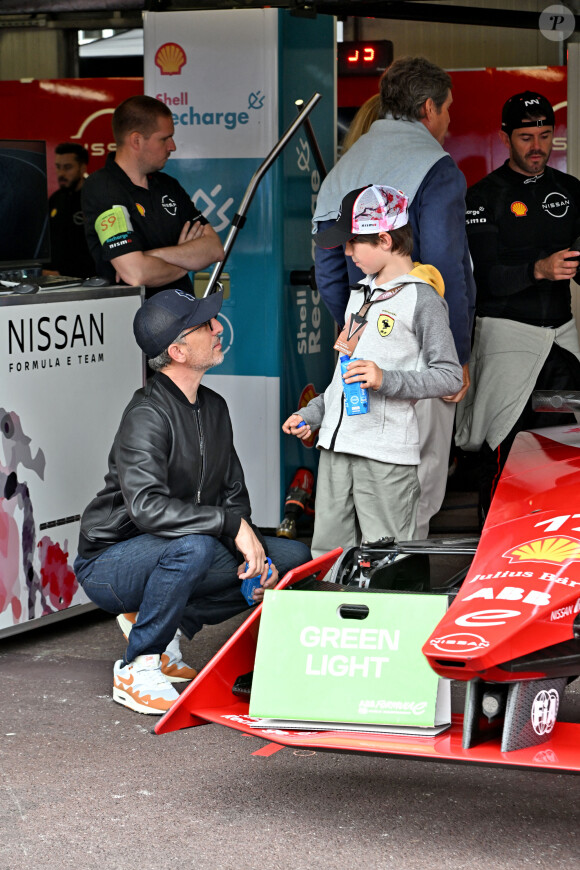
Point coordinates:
pixel 371 209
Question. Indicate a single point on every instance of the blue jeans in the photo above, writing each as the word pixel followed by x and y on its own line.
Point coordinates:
pixel 174 583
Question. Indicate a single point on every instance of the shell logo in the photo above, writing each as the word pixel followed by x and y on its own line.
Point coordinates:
pixel 518 208
pixel 170 57
pixel 551 550
pixel 140 209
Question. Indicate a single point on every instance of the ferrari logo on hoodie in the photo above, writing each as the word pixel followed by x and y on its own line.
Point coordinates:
pixel 385 324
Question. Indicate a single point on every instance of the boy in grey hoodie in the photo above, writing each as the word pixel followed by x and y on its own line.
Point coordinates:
pixel 397 327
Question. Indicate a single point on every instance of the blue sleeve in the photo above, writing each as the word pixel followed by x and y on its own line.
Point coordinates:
pixel 334 272
pixel 437 216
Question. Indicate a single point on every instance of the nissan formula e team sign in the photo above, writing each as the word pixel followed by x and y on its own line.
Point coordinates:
pixel 68 367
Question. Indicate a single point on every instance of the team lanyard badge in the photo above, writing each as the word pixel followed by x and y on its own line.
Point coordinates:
pixel 356 324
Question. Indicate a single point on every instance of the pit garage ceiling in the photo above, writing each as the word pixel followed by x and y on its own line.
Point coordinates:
pixel 126 13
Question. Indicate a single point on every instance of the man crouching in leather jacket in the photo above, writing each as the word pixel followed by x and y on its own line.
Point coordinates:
pixel 164 544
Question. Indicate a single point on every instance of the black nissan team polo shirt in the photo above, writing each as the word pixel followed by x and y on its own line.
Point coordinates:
pixel 122 217
pixel 514 220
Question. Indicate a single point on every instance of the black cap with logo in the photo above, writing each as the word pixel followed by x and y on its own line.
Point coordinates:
pixel 163 317
pixel 524 110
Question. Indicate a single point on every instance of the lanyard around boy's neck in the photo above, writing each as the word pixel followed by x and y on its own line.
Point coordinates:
pixel 353 329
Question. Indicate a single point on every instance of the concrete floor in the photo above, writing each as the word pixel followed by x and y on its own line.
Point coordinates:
pixel 85 784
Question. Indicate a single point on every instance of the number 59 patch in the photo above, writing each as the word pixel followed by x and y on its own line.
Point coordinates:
pixel 112 222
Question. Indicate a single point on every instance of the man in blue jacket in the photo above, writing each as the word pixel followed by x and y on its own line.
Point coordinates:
pixel 404 149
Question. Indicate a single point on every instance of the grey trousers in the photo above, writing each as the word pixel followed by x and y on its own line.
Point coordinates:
pixel 362 499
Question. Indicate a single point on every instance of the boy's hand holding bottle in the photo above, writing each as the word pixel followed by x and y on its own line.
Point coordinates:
pixel 358 375
pixel 366 372
pixel 295 425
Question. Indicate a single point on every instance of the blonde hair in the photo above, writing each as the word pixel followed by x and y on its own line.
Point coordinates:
pixel 360 124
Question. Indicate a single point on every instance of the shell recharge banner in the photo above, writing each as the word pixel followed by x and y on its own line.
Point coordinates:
pixel 225 113
pixel 222 105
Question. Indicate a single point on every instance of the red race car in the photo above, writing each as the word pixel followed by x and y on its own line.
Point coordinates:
pixel 511 632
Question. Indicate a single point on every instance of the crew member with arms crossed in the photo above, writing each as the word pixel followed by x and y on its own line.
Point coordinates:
pixel 523 222
pixel 165 543
pixel 141 225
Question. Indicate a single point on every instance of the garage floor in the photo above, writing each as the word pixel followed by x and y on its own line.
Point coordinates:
pixel 85 784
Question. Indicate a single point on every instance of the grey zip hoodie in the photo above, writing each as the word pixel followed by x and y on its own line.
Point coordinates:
pixel 409 338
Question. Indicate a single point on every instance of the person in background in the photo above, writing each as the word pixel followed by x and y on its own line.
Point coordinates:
pixel 523 223
pixel 141 225
pixel 404 148
pixel 361 123
pixel 68 245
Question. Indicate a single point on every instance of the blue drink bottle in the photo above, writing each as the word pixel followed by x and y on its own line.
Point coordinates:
pixel 251 583
pixel 356 398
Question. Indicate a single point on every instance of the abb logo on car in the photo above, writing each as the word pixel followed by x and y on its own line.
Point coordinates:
pixel 511 593
pixel 499 617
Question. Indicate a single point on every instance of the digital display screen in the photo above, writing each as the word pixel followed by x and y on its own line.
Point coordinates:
pixel 364 58
pixel 24 239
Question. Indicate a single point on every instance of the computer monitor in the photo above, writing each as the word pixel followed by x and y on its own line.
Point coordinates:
pixel 24 233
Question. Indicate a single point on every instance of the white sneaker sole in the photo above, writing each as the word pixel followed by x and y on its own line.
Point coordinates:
pixel 173 679
pixel 127 700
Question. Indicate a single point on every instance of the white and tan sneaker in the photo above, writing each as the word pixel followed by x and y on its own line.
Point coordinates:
pixel 172 664
pixel 141 686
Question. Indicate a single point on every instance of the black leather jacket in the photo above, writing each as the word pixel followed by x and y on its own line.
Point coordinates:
pixel 173 471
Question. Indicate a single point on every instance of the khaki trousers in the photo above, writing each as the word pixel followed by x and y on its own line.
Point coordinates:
pixel 359 499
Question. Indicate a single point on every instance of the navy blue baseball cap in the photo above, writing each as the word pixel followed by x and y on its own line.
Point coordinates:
pixel 167 314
